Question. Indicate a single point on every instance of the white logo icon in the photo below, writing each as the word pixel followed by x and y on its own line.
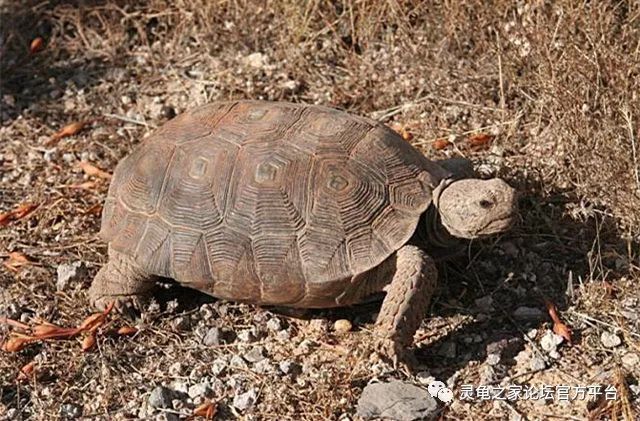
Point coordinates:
pixel 438 389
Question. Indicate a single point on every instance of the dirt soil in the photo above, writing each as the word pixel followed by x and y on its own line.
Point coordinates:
pixel 543 94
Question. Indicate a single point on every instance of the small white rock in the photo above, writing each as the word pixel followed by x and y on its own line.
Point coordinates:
pixel 609 339
pixel 550 341
pixel 256 60
pixel 245 400
pixel 71 273
pixel 199 389
pixel 342 326
pixel 630 360
pixel 537 363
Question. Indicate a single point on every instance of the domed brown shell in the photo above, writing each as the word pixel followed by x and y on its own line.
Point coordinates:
pixel 267 202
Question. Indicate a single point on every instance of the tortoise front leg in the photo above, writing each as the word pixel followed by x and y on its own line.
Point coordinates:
pixel 406 303
pixel 120 280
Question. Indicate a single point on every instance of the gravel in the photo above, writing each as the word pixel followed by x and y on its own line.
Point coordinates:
pixel 610 340
pixel 528 314
pixel 161 397
pixel 342 326
pixel 69 411
pixel 397 400
pixel 289 367
pixel 212 337
pixel 245 400
pixel 550 341
pixel 69 274
pixel 255 354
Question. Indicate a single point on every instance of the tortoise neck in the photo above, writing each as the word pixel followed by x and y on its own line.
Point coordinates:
pixel 433 237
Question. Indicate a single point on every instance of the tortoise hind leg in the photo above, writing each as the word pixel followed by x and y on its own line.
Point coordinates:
pixel 406 303
pixel 120 280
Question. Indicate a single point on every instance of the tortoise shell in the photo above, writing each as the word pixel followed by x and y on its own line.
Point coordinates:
pixel 267 202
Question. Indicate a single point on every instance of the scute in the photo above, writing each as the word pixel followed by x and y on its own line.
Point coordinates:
pixel 274 203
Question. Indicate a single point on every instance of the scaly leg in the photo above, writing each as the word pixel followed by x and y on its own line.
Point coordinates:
pixel 406 303
pixel 122 281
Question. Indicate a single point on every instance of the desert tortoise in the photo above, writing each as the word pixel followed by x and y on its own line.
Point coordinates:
pixel 291 205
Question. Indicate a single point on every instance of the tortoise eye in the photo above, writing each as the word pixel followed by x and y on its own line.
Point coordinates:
pixel 486 204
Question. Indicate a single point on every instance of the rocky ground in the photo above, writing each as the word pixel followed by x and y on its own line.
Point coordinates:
pixel 546 96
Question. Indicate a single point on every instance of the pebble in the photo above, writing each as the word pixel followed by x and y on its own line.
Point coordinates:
pixel 424 377
pixel 237 362
pixel 161 397
pixel 397 400
pixel 255 354
pixel 284 334
pixel 71 273
pixel 167 416
pixel 609 339
pixel 342 326
pixel 217 366
pixel 264 367
pixel 630 360
pixel 289 367
pixel 256 60
pixel 70 411
pixel 245 400
pixel 537 363
pixel 212 337
pixel 178 388
pixel 306 346
pixel 493 359
pixel 550 341
pixel 246 336
pixel 199 389
pixel 180 323
pixel 529 314
pixel 274 324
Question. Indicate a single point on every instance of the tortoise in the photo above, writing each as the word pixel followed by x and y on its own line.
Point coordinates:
pixel 290 205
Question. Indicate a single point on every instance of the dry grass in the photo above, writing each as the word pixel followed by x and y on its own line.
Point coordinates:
pixel 558 84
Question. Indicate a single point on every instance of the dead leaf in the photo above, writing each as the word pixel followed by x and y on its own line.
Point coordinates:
pixel 26 371
pixel 440 144
pixel 68 130
pixel 20 212
pixel 96 320
pixel 403 131
pixel 479 140
pixel 87 185
pixel 89 342
pixel 93 210
pixel 14 323
pixel 559 328
pixel 92 170
pixel 37 44
pixel 16 261
pixel 127 330
pixel 47 331
pixel 92 322
pixel 16 343
pixel 207 410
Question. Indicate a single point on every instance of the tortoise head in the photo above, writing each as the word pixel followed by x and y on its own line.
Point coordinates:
pixel 472 208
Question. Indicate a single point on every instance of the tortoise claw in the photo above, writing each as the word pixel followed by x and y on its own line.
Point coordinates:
pixel 399 356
